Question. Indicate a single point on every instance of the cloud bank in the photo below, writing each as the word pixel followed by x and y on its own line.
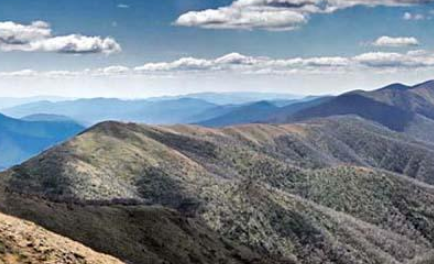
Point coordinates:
pixel 38 37
pixel 238 64
pixel 275 15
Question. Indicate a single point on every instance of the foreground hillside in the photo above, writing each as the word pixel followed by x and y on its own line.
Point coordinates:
pixel 315 192
pixel 24 242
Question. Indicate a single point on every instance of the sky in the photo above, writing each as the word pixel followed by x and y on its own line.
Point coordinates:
pixel 143 48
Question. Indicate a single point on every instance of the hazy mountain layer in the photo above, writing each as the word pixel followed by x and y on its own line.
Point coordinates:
pixel 20 139
pixel 213 109
pixel 242 115
pixel 8 102
pixel 95 110
pixel 234 98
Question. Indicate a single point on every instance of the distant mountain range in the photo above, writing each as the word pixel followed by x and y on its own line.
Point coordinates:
pixel 61 119
pixel 235 98
pixel 413 104
pixel 101 109
pixel 259 112
pixel 250 113
pixel 151 111
pixel 7 102
pixel 48 118
pixel 401 108
pixel 20 139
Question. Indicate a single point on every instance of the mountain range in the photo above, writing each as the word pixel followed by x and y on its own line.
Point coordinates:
pixel 236 98
pixel 75 114
pixel 95 110
pixel 331 190
pixel 7 102
pixel 345 179
pixel 164 110
pixel 397 106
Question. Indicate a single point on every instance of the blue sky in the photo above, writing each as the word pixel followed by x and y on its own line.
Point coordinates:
pixel 147 32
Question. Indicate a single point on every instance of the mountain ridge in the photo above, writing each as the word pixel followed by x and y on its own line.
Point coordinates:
pixel 398 107
pixel 289 192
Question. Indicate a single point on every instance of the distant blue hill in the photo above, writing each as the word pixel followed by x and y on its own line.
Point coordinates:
pixel 250 113
pixel 20 140
pixel 234 98
pixel 213 109
pixel 7 102
pixel 256 112
pixel 48 118
pixel 91 111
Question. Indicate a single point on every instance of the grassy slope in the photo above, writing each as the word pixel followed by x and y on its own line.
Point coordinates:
pixel 134 233
pixel 24 242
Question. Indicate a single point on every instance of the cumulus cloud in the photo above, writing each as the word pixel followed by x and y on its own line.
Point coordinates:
pixel 276 15
pixel 17 34
pixel 395 60
pixel 244 18
pixel 395 42
pixel 38 36
pixel 183 64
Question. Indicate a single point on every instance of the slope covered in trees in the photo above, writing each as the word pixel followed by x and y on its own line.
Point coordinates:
pixel 339 190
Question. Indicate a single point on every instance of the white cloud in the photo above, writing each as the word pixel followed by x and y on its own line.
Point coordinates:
pixel 17 34
pixel 238 63
pixel 183 64
pixel 274 14
pixel 396 42
pixel 37 36
pixel 396 60
pixel 244 18
pixel 111 70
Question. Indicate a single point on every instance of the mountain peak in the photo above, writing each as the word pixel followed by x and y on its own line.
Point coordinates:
pixel 265 104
